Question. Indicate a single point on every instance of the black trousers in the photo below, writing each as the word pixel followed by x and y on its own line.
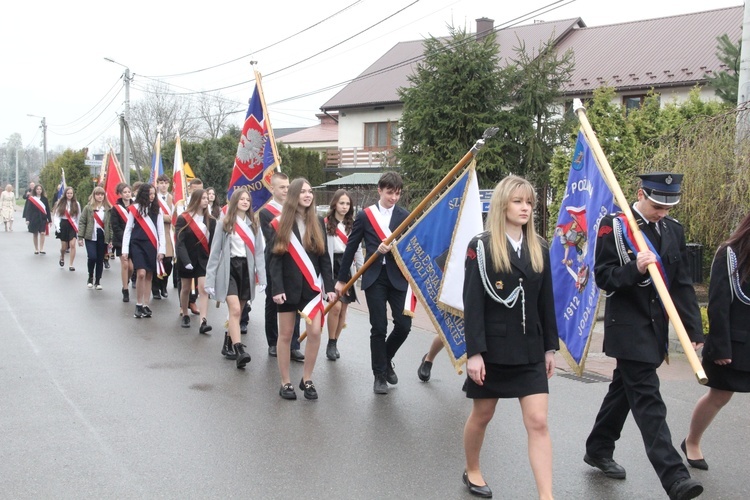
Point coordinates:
pixel 635 387
pixel 383 349
pixel 272 320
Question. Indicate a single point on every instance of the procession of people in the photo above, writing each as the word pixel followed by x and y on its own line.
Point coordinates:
pixel 302 262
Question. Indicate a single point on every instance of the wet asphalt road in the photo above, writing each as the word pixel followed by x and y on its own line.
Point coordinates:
pixel 97 404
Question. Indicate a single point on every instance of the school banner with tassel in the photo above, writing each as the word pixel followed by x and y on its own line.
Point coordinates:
pixel 587 199
pixel 424 249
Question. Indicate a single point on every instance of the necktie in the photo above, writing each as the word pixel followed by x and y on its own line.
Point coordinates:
pixel 655 233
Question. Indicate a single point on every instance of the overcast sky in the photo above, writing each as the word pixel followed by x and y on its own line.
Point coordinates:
pixel 53 52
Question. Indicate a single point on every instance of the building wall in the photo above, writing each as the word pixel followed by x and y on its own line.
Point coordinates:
pixel 352 123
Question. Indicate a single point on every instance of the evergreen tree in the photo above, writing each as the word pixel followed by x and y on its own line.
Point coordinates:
pixel 727 81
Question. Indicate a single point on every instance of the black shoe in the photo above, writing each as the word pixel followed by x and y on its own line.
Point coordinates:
pixel 156 295
pixel 106 264
pixel 185 321
pixel 164 293
pixel 296 355
pixel 90 283
pixel 309 388
pixel 227 349
pixel 331 350
pixel 609 467
pixel 138 312
pixel 193 308
pixel 336 348
pixel 425 370
pixel 147 312
pixel 380 386
pixel 205 327
pixel 125 295
pixel 243 358
pixel 684 489
pixel 390 374
pixel 475 489
pixel 272 351
pixel 696 464
pixel 243 328
pixel 287 392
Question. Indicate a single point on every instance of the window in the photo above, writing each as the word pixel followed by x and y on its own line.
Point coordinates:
pixel 631 102
pixel 381 136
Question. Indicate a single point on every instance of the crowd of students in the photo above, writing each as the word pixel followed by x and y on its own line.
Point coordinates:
pixel 301 261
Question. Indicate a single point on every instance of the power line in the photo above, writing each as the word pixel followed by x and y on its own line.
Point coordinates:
pixel 90 110
pixel 264 48
pixel 96 118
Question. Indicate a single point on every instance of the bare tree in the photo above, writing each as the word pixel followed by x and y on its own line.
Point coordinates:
pixel 214 111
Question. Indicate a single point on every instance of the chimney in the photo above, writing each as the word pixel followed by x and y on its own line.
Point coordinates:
pixel 485 26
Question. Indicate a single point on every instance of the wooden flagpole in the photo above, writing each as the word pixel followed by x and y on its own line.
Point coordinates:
pixel 656 277
pixel 267 119
pixel 416 212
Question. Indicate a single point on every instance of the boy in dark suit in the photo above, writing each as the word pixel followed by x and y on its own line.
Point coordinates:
pixel 636 331
pixel 383 282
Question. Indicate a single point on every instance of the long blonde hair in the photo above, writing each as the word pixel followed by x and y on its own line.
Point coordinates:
pixel 496 223
pixel 92 201
pixel 313 239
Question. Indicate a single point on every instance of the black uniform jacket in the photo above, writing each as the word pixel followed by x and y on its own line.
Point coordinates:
pixel 362 229
pixel 287 278
pixel 498 332
pixel 636 326
pixel 729 318
pixel 117 224
pixel 189 248
pixel 265 217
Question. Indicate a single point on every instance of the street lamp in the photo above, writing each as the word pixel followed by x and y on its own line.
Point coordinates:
pixel 44 137
pixel 124 153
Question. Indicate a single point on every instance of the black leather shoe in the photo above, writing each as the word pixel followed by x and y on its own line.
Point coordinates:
pixel 205 327
pixel 272 351
pixel 685 489
pixel 287 392
pixel 138 312
pixel 228 349
pixel 696 464
pixel 296 355
pixel 243 358
pixel 380 386
pixel 309 389
pixel 390 374
pixel 425 370
pixel 475 489
pixel 331 350
pixel 125 295
pixel 185 321
pixel 243 328
pixel 156 295
pixel 609 467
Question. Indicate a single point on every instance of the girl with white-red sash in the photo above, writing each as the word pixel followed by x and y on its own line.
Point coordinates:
pixel 339 223
pixel 235 265
pixel 143 242
pixel 301 272
pixel 118 219
pixel 194 231
pixel 65 219
pixel 38 217
pixel 95 231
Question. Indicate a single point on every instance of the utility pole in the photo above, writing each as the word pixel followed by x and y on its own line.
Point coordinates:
pixel 16 191
pixel 44 138
pixel 743 88
pixel 124 119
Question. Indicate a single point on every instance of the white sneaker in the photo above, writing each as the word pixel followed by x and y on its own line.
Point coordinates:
pixel 89 286
pixel 98 286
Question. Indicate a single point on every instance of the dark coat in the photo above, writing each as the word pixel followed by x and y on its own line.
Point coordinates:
pixel 265 217
pixel 117 224
pixel 287 278
pixel 189 248
pixel 36 219
pixel 729 318
pixel 362 229
pixel 636 327
pixel 496 331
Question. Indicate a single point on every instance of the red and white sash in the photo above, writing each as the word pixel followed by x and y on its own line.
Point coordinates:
pixel 306 267
pixel 71 221
pixel 38 204
pixel 148 227
pixel 383 231
pixel 97 220
pixel 122 212
pixel 164 206
pixel 199 230
pixel 244 232
pixel 340 234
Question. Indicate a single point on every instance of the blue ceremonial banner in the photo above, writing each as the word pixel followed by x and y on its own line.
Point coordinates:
pixel 61 189
pixel 587 199
pixel 157 168
pixel 255 161
pixel 422 251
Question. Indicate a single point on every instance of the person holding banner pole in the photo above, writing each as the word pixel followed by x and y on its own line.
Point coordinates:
pixel 235 265
pixel 194 231
pixel 65 219
pixel 301 272
pixel 383 283
pixel 143 242
pixel 339 221
pixel 38 217
pixel 636 329
pixel 118 218
pixel 159 283
pixel 726 355
pixel 511 329
pixel 95 231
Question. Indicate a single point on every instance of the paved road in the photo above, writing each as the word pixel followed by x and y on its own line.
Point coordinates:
pixel 97 404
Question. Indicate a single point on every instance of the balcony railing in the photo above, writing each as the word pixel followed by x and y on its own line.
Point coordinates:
pixel 359 158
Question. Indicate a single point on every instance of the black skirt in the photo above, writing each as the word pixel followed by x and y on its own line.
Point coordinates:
pixel 66 232
pixel 510 381
pixel 725 377
pixel 351 294
pixel 239 278
pixel 143 255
